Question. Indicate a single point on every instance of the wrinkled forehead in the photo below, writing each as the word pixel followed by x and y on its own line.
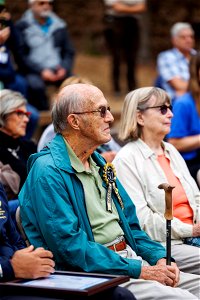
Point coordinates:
pixel 86 93
pixel 94 97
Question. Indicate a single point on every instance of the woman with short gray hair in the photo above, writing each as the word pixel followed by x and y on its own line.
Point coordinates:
pixel 9 101
pixel 147 161
pixel 13 123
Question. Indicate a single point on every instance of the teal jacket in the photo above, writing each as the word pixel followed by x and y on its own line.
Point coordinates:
pixel 54 216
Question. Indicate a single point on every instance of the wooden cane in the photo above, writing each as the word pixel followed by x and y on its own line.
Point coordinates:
pixel 168 216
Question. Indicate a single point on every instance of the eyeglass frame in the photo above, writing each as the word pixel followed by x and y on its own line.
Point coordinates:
pixel 20 113
pixel 102 114
pixel 163 106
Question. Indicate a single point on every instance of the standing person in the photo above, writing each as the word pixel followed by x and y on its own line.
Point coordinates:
pixel 145 162
pixel 83 213
pixel 122 36
pixel 11 63
pixel 185 124
pixel 16 261
pixel 173 64
pixel 47 50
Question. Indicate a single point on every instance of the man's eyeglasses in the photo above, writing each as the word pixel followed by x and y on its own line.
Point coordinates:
pixel 20 113
pixel 163 108
pixel 102 110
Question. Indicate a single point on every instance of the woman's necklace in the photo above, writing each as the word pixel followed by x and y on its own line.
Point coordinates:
pixel 14 152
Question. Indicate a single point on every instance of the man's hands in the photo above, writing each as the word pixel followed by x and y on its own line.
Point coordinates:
pixel 167 275
pixel 4 34
pixel 53 76
pixel 32 264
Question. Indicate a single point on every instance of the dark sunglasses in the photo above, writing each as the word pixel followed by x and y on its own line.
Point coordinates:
pixel 102 110
pixel 20 113
pixel 163 108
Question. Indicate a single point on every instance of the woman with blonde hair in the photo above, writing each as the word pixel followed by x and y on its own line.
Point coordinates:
pixel 147 161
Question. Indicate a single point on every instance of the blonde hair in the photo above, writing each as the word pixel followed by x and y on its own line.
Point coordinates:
pixel 74 79
pixel 134 101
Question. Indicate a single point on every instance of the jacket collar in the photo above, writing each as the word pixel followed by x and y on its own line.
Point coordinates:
pixel 61 158
pixel 148 152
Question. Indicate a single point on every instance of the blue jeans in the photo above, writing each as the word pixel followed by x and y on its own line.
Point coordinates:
pixel 13 205
pixel 33 122
pixel 193 241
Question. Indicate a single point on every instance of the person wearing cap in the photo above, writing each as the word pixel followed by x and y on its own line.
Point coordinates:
pixel 47 50
pixel 173 64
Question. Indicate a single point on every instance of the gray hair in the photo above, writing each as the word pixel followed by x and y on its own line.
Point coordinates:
pixel 134 101
pixel 178 27
pixel 9 101
pixel 32 1
pixel 71 98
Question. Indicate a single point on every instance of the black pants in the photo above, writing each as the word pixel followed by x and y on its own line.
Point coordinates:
pixel 122 37
pixel 117 293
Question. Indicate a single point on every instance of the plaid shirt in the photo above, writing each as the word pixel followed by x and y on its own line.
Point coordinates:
pixel 172 63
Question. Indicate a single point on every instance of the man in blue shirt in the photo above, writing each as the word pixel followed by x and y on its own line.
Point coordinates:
pixel 173 64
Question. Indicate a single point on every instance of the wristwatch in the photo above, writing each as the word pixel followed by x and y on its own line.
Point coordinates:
pixel 1 272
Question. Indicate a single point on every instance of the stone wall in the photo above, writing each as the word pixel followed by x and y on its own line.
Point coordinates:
pixel 85 21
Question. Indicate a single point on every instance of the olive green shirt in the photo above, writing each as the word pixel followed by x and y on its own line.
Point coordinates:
pixel 105 225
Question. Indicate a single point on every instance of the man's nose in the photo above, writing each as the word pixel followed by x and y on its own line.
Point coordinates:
pixel 109 116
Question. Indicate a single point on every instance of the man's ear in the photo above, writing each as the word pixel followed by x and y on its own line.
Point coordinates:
pixel 73 121
pixel 139 117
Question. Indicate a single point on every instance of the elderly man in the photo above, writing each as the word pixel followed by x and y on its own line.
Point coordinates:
pixel 47 49
pixel 173 64
pixel 72 204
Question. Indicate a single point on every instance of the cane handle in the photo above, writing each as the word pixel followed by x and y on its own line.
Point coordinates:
pixel 168 200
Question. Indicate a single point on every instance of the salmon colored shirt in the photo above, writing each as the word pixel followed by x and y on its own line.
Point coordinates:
pixel 181 206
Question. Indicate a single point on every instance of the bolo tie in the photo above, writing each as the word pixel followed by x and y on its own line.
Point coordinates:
pixel 109 176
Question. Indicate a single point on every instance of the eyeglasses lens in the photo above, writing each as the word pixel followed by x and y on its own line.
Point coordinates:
pixel 22 114
pixel 164 108
pixel 103 111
